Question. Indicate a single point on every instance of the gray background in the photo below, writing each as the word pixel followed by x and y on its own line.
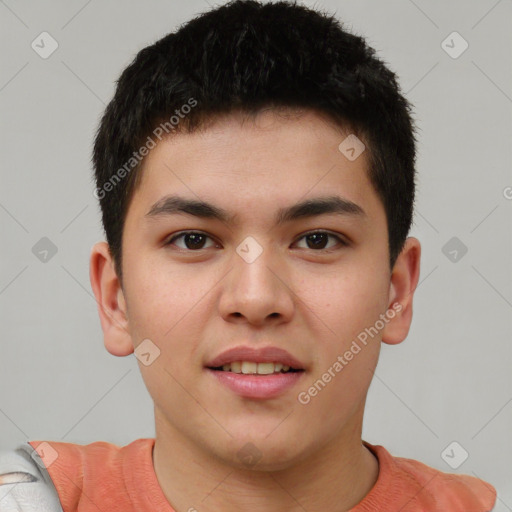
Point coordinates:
pixel 449 381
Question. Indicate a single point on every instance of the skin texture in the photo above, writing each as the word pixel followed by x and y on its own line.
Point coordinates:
pixel 311 302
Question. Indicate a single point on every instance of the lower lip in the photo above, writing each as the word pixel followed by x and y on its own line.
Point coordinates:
pixel 257 386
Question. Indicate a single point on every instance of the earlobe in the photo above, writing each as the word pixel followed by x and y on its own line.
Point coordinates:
pixel 111 301
pixel 404 280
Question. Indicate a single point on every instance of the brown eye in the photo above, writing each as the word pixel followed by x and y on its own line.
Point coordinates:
pixel 193 240
pixel 317 240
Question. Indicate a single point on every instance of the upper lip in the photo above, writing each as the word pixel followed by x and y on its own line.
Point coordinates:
pixel 256 355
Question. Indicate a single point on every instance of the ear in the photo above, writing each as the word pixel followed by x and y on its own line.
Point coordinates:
pixel 111 302
pixel 404 280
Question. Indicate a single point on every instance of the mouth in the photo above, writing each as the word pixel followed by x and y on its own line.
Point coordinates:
pixel 261 374
pixel 254 368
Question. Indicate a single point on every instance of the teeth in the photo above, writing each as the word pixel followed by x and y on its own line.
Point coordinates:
pixel 265 368
pixel 235 367
pixel 250 367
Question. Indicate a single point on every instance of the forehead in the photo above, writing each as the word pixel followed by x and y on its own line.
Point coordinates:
pixel 257 164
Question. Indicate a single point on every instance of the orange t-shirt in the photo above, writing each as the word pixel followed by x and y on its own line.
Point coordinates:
pixel 103 476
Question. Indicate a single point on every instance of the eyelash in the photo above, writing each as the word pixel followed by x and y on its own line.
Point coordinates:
pixel 332 235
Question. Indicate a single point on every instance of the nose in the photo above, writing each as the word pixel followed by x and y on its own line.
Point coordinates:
pixel 258 291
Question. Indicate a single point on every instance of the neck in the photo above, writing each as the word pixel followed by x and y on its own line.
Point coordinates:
pixel 336 477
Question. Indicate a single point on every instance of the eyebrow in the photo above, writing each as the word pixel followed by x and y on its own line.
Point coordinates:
pixel 171 205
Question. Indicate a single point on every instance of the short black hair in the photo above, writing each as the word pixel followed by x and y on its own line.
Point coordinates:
pixel 246 56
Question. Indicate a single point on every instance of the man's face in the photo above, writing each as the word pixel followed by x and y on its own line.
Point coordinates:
pixel 257 285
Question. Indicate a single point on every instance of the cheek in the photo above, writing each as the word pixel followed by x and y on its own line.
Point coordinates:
pixel 346 311
pixel 160 301
pixel 345 302
pixel 172 310
pixel 334 396
pixel 347 346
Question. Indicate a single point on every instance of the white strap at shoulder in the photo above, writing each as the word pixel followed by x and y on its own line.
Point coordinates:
pixel 25 485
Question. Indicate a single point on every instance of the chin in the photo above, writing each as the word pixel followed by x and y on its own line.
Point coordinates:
pixel 262 452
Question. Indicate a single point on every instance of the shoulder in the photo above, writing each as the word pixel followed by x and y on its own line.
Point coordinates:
pixel 25 485
pixel 62 475
pixel 466 492
pixel 437 490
